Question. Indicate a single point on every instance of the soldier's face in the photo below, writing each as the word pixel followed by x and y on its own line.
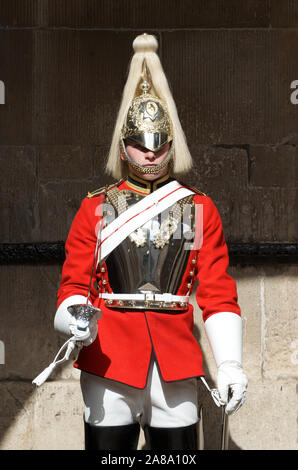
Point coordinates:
pixel 146 158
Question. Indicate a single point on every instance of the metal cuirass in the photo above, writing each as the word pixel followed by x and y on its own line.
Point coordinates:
pixel 152 259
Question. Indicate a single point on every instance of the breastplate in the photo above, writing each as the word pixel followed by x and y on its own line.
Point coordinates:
pixel 154 258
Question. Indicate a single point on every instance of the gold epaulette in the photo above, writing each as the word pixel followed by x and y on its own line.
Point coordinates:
pixel 193 189
pixel 199 192
pixel 96 192
pixel 103 189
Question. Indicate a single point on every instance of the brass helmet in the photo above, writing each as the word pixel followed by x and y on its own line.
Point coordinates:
pixel 148 123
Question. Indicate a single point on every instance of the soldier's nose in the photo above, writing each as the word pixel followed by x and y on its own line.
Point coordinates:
pixel 150 155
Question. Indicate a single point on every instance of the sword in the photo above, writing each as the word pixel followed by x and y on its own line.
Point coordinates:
pixel 224 429
pixel 224 436
pixel 224 425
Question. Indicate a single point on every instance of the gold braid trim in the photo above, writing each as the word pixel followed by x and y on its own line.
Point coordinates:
pixel 197 191
pixel 103 189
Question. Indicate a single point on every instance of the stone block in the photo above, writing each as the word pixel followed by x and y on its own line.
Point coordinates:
pixel 79 77
pixel 16 415
pixel 58 204
pixel 18 217
pixel 221 173
pixel 233 87
pixel 283 14
pixel 267 420
pixel 16 117
pixel 259 215
pixel 20 14
pixel 171 14
pixel 280 324
pixel 100 159
pixel 58 417
pixel 45 418
pixel 64 162
pixel 274 166
pixel 270 215
pixel 218 169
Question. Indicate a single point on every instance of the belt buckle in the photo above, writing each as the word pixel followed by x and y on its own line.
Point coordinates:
pixel 149 297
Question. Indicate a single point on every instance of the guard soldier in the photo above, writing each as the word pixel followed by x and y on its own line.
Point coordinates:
pixel 154 237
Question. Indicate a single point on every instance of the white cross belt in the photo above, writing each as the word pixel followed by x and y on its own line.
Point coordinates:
pixel 138 214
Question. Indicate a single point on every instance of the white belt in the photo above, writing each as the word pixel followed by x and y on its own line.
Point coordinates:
pixel 146 300
pixel 149 296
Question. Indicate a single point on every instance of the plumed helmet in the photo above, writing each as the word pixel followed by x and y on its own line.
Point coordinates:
pixel 147 115
pixel 147 122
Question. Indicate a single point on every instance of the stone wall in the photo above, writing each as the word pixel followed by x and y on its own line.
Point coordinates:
pixel 230 65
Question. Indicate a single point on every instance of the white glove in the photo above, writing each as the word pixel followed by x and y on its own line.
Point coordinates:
pixel 66 323
pixel 230 376
pixel 84 332
pixel 224 332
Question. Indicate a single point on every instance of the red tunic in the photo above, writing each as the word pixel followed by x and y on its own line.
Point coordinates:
pixel 126 339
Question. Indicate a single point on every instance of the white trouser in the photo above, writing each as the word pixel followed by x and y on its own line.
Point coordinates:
pixel 159 404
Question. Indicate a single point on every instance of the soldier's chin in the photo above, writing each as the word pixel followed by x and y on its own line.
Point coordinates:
pixel 149 176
